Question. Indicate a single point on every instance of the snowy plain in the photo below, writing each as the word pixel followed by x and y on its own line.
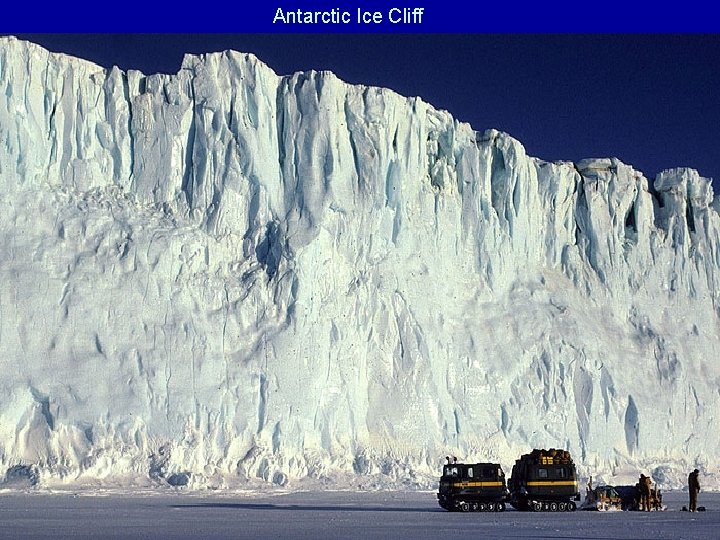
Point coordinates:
pixel 330 514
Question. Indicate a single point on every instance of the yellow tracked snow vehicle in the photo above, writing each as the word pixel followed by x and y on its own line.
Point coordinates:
pixel 544 481
pixel 475 487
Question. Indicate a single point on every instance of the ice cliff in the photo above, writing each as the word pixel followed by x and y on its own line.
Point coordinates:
pixel 226 274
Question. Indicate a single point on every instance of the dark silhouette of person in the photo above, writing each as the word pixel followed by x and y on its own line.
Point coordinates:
pixel 645 492
pixel 694 489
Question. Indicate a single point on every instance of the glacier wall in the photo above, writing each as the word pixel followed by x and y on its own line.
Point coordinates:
pixel 242 276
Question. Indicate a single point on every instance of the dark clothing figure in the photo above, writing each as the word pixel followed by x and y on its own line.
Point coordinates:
pixel 645 483
pixel 657 499
pixel 694 489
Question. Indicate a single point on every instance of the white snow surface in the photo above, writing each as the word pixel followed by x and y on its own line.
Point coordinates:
pixel 248 277
pixel 385 515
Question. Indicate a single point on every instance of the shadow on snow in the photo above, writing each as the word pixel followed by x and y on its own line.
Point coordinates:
pixel 301 507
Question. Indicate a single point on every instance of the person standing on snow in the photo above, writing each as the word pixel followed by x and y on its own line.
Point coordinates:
pixel 645 492
pixel 694 489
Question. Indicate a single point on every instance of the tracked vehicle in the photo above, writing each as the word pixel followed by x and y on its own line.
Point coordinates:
pixel 472 487
pixel 544 481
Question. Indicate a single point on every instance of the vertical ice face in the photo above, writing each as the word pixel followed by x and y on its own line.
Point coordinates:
pixel 237 275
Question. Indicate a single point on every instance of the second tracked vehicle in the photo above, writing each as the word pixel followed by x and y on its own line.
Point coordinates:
pixel 544 481
pixel 472 487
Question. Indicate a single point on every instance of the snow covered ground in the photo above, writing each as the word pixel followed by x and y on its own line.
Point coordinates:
pixel 348 515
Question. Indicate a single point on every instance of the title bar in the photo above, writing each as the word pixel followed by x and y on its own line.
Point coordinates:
pixel 402 16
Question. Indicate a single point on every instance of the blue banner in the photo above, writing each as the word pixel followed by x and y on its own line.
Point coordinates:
pixel 357 16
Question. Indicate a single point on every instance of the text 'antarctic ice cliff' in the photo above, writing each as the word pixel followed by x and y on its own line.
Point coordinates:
pixel 404 15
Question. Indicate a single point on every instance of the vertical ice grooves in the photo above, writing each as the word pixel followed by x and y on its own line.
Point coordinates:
pixel 262 402
pixel 349 123
pixel 280 126
pixel 187 186
pixel 632 426
pixel 131 134
pixel 689 216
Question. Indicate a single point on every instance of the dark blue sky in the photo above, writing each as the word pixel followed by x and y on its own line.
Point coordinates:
pixel 651 100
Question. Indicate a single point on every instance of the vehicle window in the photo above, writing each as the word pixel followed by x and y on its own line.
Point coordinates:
pixel 560 472
pixel 542 473
pixel 470 472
